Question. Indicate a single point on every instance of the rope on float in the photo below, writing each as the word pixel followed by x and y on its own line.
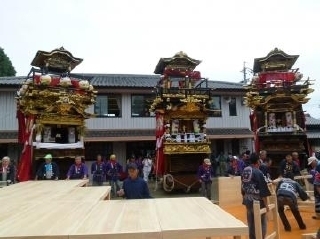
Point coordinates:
pixel 168 188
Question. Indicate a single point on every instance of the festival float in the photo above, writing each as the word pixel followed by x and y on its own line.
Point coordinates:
pixel 51 112
pixel 276 95
pixel 181 109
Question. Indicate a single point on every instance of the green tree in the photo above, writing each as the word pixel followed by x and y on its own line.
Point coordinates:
pixel 6 67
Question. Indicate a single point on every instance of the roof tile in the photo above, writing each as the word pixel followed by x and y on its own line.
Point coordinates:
pixel 124 81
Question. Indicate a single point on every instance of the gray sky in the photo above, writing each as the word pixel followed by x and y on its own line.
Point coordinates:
pixel 129 36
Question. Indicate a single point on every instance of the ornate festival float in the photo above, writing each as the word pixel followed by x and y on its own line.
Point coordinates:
pixel 51 106
pixel 180 107
pixel 276 95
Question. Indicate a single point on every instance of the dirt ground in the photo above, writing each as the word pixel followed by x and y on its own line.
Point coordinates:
pixel 238 211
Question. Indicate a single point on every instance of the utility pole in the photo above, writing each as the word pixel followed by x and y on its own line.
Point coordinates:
pixel 244 71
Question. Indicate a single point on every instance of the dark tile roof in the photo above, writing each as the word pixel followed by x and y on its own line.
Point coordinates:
pixel 135 133
pixel 119 133
pixel 224 85
pixel 229 131
pixel 11 80
pixel 312 121
pixel 313 134
pixel 124 81
pixel 9 134
pixel 151 132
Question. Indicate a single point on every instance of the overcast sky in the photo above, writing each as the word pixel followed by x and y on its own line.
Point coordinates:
pixel 129 36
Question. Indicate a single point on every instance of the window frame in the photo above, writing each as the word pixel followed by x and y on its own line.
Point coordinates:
pixel 215 114
pixel 108 114
pixel 145 106
pixel 233 111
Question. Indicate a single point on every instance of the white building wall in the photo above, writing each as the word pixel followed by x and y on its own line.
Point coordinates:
pixel 8 120
pixel 227 121
pixel 124 122
pixel 128 122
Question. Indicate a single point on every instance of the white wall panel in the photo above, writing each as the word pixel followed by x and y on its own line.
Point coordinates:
pixel 8 120
pixel 124 122
pixel 226 121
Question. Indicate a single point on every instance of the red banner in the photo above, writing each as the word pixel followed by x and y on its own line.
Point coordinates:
pixel 266 79
pixel 24 167
pixel 182 73
pixel 21 126
pixel 254 128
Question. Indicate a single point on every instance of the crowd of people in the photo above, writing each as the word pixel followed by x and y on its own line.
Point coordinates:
pixel 255 172
pixel 255 179
pixel 254 169
pixel 110 171
pixel 102 171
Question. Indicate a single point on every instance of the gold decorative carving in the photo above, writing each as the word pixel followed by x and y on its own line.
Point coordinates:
pixel 60 119
pixel 39 100
pixel 186 148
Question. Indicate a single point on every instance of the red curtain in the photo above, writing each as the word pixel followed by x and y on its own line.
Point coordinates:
pixel 21 126
pixel 159 167
pixel 24 167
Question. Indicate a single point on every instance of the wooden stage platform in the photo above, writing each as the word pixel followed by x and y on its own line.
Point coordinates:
pixel 65 210
pixel 69 210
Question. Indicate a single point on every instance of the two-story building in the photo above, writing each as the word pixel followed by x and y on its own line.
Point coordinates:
pixel 123 124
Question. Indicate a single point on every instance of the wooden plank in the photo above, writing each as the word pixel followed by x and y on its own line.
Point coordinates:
pixel 86 194
pixel 45 220
pixel 196 217
pixel 120 219
pixel 309 236
pixel 227 195
pixel 39 190
pixel 59 209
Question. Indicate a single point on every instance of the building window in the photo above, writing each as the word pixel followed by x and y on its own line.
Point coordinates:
pixel 140 105
pixel 108 106
pixel 233 107
pixel 215 106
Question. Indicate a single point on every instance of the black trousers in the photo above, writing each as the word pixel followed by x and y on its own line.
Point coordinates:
pixel 285 200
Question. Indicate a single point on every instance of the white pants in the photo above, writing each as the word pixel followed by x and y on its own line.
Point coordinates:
pixel 146 172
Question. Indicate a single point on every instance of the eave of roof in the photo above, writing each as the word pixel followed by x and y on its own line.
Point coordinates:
pixel 312 121
pixel 313 135
pixel 138 134
pixel 126 81
pixel 12 80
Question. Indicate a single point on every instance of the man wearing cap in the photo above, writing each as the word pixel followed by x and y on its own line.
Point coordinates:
pixel 48 170
pixel 114 169
pixel 312 164
pixel 134 187
pixel 205 174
